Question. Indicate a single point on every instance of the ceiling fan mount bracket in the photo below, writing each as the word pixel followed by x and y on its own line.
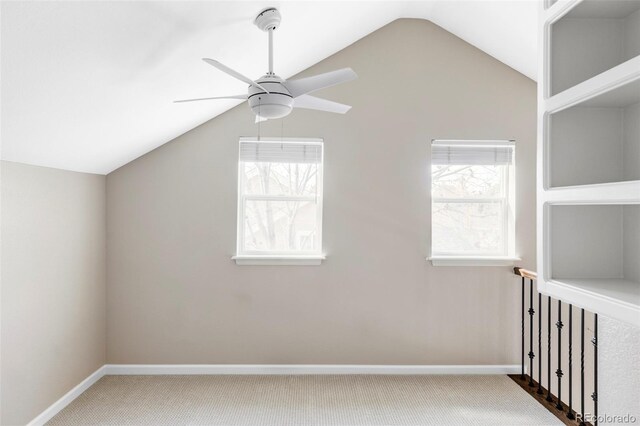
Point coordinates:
pixel 269 19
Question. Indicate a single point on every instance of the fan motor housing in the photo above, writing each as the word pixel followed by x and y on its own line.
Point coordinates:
pixel 277 103
pixel 268 19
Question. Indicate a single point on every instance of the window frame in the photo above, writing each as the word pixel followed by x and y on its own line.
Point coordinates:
pixel 279 257
pixel 507 201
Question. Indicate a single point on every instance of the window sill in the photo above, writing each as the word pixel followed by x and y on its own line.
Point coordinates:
pixel 473 260
pixel 283 260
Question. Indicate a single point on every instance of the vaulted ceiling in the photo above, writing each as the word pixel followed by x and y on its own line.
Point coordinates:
pixel 88 86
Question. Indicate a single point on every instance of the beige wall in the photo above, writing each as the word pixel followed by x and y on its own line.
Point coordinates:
pixel 175 296
pixel 53 285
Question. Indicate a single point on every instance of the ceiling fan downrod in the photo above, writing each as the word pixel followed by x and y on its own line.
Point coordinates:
pixel 268 20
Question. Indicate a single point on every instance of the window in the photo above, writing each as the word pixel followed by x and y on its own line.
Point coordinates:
pixel 280 201
pixel 472 192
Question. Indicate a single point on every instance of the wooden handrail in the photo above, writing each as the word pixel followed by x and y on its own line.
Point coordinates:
pixel 525 273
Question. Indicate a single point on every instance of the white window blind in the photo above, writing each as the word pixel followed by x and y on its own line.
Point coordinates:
pixel 280 197
pixel 473 198
pixel 275 152
pixel 489 153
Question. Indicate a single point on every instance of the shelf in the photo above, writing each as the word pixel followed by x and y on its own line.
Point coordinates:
pixel 594 241
pixel 591 38
pixel 605 193
pixel 618 289
pixel 623 96
pixel 593 250
pixel 608 9
pixel 614 298
pixel 595 141
pixel 555 8
pixel 622 74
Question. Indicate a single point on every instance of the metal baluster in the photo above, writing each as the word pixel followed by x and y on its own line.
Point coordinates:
pixel 582 423
pixel 570 412
pixel 559 370
pixel 522 322
pixel 531 354
pixel 539 344
pixel 594 395
pixel 549 397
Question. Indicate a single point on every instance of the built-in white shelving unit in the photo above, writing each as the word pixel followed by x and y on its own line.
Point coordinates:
pixel 596 140
pixel 589 155
pixel 592 37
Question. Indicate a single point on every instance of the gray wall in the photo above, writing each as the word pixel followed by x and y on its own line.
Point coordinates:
pixel 53 285
pixel 175 296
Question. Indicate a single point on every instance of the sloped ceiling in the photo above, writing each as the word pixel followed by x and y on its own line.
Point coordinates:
pixel 88 86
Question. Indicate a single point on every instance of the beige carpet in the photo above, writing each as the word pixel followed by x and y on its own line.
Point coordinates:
pixel 305 400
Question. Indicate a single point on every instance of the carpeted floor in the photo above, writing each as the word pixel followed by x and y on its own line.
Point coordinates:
pixel 305 400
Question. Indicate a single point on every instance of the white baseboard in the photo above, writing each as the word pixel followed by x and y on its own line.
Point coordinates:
pixel 271 369
pixel 186 369
pixel 57 406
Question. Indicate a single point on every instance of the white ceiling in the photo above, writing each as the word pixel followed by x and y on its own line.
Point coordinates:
pixel 88 86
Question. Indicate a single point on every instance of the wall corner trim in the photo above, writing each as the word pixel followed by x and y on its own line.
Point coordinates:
pixel 264 369
pixel 67 398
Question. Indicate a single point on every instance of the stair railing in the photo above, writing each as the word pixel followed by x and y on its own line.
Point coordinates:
pixel 561 405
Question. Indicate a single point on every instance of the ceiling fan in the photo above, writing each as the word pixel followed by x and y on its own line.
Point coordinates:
pixel 273 97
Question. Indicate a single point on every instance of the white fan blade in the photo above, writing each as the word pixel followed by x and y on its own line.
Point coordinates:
pixel 320 81
pixel 259 119
pixel 311 102
pixel 217 97
pixel 233 73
